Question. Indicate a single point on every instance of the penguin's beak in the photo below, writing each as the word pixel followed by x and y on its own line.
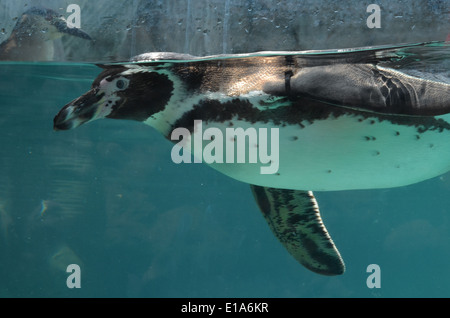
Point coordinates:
pixel 85 108
pixel 61 25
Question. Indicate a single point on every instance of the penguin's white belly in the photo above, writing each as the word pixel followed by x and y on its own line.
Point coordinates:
pixel 348 152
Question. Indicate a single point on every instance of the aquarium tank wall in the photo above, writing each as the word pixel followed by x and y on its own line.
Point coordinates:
pixel 121 30
pixel 108 198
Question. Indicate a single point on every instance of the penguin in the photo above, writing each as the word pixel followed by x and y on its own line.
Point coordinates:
pixel 32 38
pixel 346 119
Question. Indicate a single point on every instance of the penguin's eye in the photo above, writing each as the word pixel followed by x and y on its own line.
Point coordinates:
pixel 121 84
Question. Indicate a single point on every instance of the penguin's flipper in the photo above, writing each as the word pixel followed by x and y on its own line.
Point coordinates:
pixel 294 218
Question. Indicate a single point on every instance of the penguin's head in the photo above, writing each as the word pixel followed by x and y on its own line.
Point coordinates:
pixel 119 92
pixel 45 24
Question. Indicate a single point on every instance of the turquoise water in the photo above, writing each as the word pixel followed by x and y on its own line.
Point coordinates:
pixel 108 197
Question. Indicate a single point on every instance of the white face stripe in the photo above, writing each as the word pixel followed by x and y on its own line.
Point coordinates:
pixel 106 108
pixel 179 103
pixel 110 87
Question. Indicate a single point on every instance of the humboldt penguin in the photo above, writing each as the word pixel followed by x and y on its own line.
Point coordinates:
pixel 32 38
pixel 346 119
